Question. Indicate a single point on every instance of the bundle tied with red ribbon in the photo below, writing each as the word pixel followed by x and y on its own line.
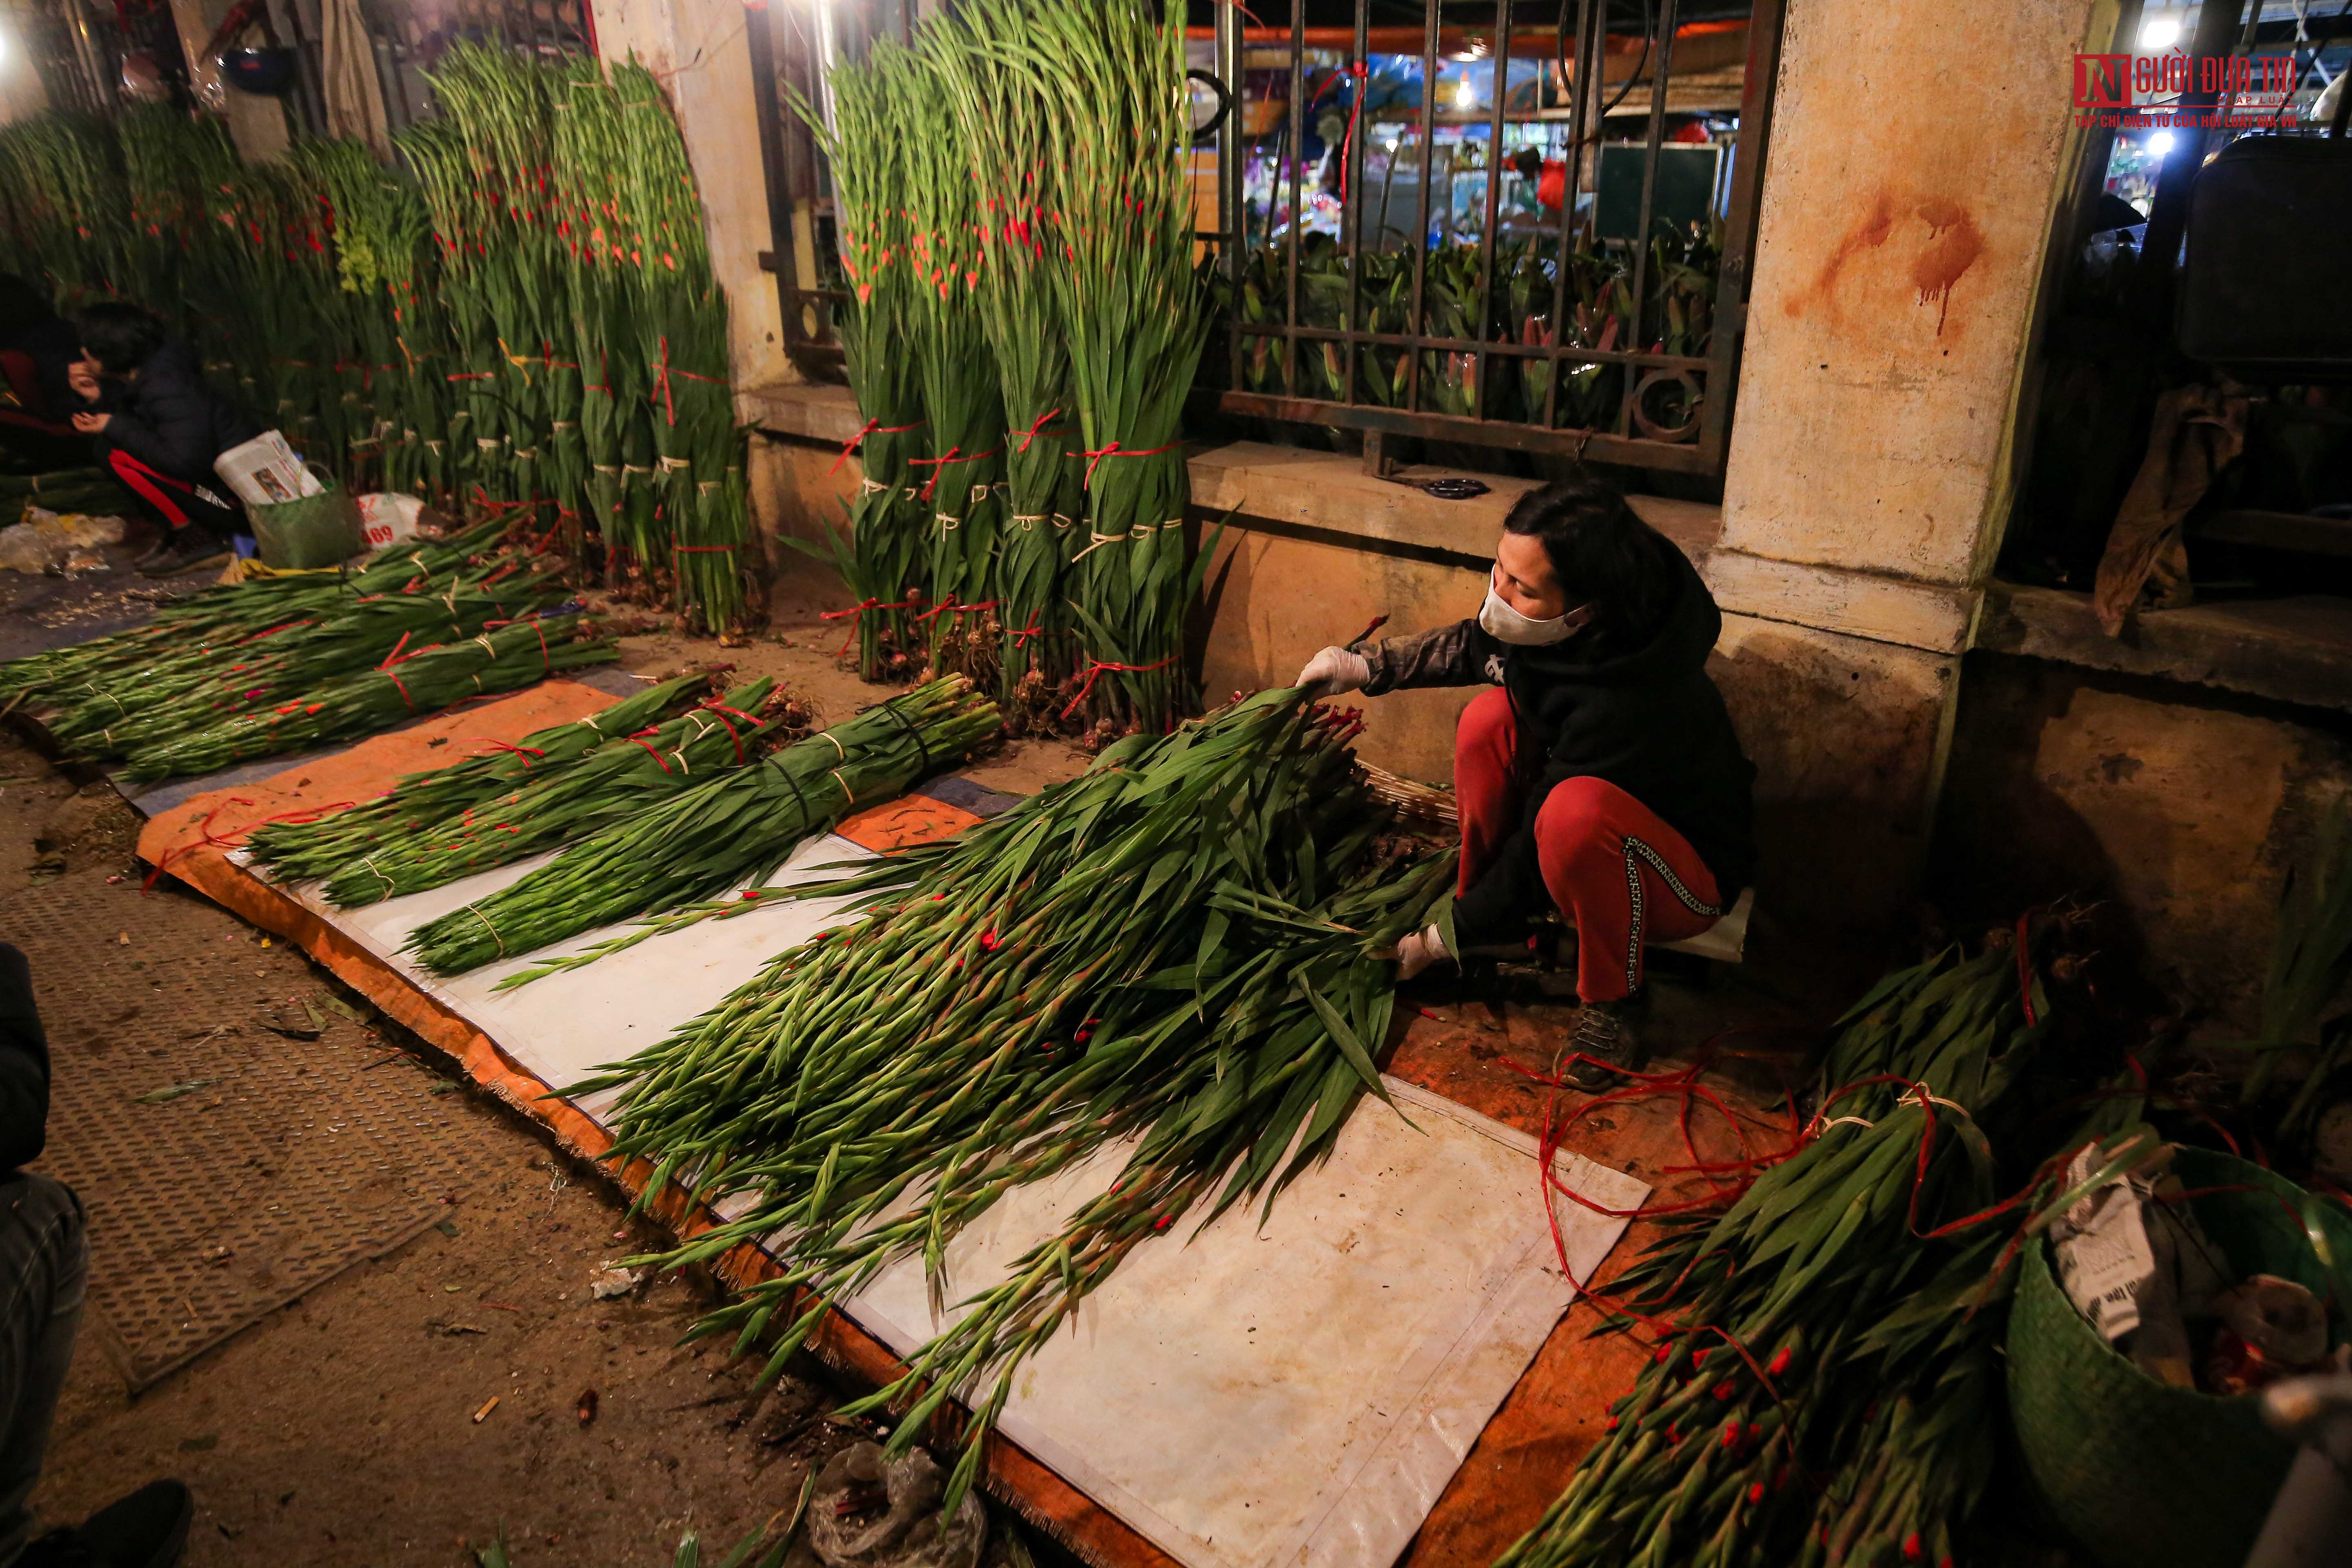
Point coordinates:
pixel 1000 115
pixel 406 686
pixel 1825 1313
pixel 1204 1015
pixel 195 685
pixel 734 826
pixel 964 395
pixel 639 756
pixel 306 851
pixel 1134 312
pixel 882 551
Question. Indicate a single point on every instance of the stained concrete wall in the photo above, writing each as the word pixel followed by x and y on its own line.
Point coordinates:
pixel 2181 809
pixel 1905 222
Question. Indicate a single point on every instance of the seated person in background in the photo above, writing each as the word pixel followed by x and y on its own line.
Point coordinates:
pixel 44 1254
pixel 158 425
pixel 36 352
pixel 1602 776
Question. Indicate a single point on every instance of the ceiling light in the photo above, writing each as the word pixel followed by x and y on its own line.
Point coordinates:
pixel 2160 32
pixel 1466 95
pixel 2160 143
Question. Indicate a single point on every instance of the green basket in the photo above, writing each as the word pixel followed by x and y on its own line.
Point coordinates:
pixel 2140 1471
pixel 323 530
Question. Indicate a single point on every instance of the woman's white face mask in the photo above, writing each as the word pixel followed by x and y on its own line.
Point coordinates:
pixel 1504 624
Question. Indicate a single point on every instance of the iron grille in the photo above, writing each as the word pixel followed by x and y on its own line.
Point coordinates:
pixel 1598 309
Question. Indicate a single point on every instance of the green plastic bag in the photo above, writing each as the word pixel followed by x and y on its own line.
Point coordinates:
pixel 322 530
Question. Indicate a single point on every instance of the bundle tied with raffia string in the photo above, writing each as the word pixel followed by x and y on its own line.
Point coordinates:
pixel 702 840
pixel 305 851
pixel 1174 955
pixel 500 659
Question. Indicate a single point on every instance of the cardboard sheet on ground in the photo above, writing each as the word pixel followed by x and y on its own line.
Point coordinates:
pixel 1292 1397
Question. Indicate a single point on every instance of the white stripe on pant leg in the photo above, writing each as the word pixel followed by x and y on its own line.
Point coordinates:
pixel 1637 852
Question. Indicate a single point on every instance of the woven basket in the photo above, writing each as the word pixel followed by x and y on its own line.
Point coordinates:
pixel 2140 1471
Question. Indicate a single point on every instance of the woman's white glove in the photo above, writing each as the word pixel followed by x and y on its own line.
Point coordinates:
pixel 1334 670
pixel 1418 952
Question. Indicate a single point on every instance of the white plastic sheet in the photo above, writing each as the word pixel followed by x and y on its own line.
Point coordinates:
pixel 1291 1397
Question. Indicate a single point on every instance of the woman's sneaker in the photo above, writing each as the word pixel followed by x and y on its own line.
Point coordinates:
pixel 183 549
pixel 1608 1041
pixel 149 1529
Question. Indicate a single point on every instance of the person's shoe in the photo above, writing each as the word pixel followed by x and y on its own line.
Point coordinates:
pixel 1608 1042
pixel 181 550
pixel 148 1529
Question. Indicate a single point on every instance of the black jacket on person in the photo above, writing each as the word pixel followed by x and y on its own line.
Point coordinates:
pixel 169 416
pixel 1642 714
pixel 24 1066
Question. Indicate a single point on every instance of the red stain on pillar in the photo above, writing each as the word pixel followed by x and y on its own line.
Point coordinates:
pixel 1954 243
pixel 1869 232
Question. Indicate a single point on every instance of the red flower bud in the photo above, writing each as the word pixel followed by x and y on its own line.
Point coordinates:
pixel 1756 1494
pixel 1911 1549
pixel 1780 1359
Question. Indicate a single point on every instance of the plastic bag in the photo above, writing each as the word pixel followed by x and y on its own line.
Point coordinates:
pixel 389 518
pixel 51 543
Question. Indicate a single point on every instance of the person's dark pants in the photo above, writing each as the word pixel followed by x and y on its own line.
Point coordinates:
pixel 43 1258
pixel 176 503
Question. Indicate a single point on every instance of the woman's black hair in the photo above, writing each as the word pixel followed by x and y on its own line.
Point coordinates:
pixel 1600 552
pixel 121 336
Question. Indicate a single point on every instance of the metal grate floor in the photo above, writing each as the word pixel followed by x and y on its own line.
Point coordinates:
pixel 226 1169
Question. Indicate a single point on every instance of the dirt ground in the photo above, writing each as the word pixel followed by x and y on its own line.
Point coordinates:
pixel 345 1429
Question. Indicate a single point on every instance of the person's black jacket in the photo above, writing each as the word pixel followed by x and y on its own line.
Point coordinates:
pixel 1644 717
pixel 24 1066
pixel 169 417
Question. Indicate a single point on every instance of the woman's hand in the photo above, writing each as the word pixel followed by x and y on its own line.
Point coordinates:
pixel 1416 953
pixel 1334 670
pixel 92 424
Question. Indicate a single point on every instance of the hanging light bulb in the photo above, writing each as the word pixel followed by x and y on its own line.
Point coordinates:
pixel 1466 95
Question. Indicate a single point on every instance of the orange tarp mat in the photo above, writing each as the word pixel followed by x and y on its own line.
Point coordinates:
pixel 1519 1462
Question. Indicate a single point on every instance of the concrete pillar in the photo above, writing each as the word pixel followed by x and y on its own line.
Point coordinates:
pixel 1919 156
pixel 22 96
pixel 257 125
pixel 698 48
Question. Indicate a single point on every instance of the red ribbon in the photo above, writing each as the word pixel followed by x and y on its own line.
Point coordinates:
pixel 872 426
pixel 525 752
pixel 1116 450
pixel 857 613
pixel 1038 428
pixel 662 372
pixel 949 603
pixel 547 665
pixel 954 455
pixel 1096 668
pixel 638 739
